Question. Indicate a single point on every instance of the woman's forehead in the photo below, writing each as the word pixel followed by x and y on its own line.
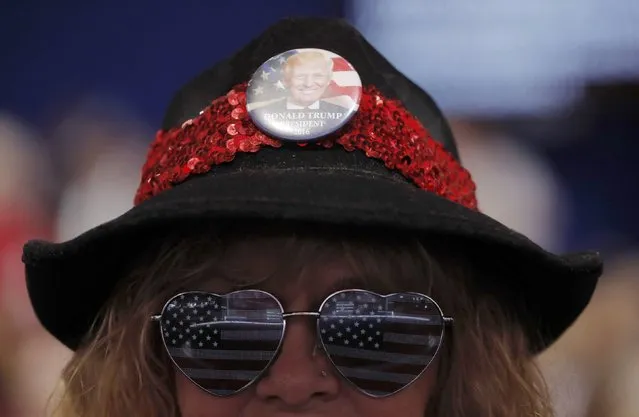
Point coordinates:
pixel 292 280
pixel 308 269
pixel 313 284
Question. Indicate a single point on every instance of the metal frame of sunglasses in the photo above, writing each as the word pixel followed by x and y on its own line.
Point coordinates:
pixel 380 344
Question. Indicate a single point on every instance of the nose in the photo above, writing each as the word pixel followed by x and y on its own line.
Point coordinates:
pixel 308 81
pixel 298 378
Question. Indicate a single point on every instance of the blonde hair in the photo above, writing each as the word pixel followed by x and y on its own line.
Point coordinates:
pixel 122 369
pixel 303 58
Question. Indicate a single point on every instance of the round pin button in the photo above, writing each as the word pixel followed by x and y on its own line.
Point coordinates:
pixel 303 94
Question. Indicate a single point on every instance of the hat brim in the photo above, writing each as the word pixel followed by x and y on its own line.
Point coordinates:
pixel 69 282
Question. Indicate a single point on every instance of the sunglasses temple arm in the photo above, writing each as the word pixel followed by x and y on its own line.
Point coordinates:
pixel 156 317
pixel 448 321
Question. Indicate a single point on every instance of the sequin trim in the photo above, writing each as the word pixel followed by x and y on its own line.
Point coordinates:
pixel 382 128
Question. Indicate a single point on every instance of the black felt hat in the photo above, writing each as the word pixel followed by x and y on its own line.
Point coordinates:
pixel 352 186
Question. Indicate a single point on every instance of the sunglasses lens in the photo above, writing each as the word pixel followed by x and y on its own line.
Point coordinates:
pixel 222 342
pixel 380 344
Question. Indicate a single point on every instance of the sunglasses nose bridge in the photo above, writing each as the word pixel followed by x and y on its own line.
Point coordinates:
pixel 301 313
pixel 313 314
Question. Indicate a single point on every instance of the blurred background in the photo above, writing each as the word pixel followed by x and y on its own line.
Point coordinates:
pixel 543 97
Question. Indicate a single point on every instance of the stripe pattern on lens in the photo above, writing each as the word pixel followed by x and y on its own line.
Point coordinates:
pixel 381 344
pixel 222 343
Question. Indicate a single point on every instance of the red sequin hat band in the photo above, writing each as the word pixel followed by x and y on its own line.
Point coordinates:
pixel 382 128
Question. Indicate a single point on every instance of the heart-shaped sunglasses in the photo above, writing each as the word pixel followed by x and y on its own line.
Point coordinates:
pixel 379 343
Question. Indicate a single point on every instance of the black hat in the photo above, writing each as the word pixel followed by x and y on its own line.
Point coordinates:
pixel 392 164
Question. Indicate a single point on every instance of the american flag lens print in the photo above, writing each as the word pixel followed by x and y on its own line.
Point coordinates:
pixel 303 94
pixel 381 344
pixel 222 343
